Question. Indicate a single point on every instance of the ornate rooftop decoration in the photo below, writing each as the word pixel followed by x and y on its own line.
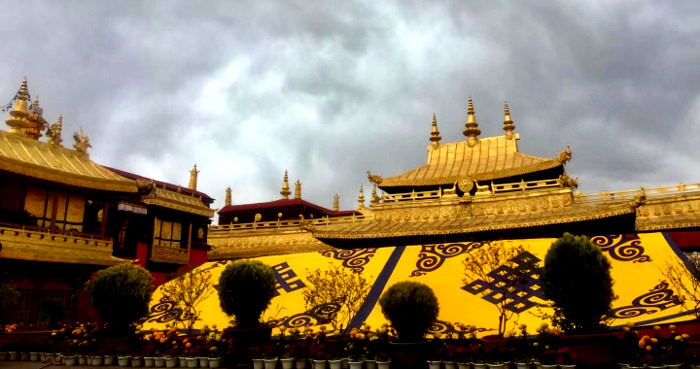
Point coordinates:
pixel 54 132
pixel 472 130
pixel 508 125
pixel 82 141
pixel 435 134
pixel 285 187
pixel 193 178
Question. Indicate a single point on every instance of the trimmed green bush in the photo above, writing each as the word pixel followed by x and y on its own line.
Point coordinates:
pixel 411 307
pixel 246 288
pixel 9 302
pixel 121 294
pixel 576 277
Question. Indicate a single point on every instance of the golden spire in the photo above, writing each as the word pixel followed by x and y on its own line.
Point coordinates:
pixel 227 202
pixel 472 130
pixel 19 115
pixel 297 189
pixel 54 132
pixel 435 134
pixel 361 199
pixel 375 198
pixel 335 202
pixel 285 187
pixel 193 178
pixel 38 123
pixel 508 125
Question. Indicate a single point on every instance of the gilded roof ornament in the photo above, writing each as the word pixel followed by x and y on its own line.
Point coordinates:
pixel 227 201
pixel 82 142
pixel 375 198
pixel 472 130
pixel 374 178
pixel 38 123
pixel 285 187
pixel 564 156
pixel 193 178
pixel 361 199
pixel 19 115
pixel 435 134
pixel 297 189
pixel 566 181
pixel 508 125
pixel 54 132
pixel 336 207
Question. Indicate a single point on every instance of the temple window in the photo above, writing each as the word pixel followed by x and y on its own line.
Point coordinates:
pixel 169 234
pixel 67 215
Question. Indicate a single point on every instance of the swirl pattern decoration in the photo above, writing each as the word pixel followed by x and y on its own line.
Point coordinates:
pixel 354 259
pixel 431 257
pixel 622 247
pixel 659 298
pixel 320 314
pixel 167 310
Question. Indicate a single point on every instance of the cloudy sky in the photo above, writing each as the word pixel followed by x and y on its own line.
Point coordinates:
pixel 247 89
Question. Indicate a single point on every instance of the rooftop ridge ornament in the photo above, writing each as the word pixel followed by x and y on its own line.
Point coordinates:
pixel 472 130
pixel 227 202
pixel 193 178
pixel 37 121
pixel 297 189
pixel 82 142
pixel 336 207
pixel 19 114
pixel 285 187
pixel 54 132
pixel 435 134
pixel 361 199
pixel 508 125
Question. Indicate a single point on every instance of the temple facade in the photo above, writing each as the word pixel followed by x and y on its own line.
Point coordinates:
pixel 480 188
pixel 63 217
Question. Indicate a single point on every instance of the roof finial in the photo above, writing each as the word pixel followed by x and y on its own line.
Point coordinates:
pixel 361 199
pixel 375 198
pixel 38 123
pixel 285 187
pixel 472 130
pixel 508 125
pixel 82 142
pixel 435 134
pixel 297 189
pixel 193 178
pixel 54 132
pixel 227 201
pixel 335 203
pixel 19 115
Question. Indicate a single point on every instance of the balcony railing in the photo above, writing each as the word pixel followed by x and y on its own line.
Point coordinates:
pixel 70 239
pixel 650 192
pixel 284 223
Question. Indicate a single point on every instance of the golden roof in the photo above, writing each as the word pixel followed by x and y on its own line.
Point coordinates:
pixel 178 201
pixel 458 225
pixel 490 158
pixel 33 158
pixel 227 245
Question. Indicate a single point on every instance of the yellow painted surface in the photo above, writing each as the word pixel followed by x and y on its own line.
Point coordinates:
pixel 636 262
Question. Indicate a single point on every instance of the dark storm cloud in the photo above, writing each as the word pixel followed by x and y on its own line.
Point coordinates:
pixel 330 90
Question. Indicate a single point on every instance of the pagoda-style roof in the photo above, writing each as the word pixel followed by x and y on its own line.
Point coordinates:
pixel 455 224
pixel 474 159
pixel 490 159
pixel 29 157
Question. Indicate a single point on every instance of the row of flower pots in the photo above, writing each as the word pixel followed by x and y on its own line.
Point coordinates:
pixel 123 361
pixel 438 364
pixel 301 363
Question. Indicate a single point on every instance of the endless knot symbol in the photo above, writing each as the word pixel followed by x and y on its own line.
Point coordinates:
pixel 285 278
pixel 516 285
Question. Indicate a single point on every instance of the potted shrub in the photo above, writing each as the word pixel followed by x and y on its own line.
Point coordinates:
pixel 412 308
pixel 576 278
pixel 245 289
pixel 121 294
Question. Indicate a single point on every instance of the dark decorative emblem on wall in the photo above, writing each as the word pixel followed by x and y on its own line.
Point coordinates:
pixel 622 247
pixel 657 299
pixel 447 328
pixel 321 314
pixel 523 277
pixel 354 259
pixel 286 278
pixel 166 310
pixel 431 257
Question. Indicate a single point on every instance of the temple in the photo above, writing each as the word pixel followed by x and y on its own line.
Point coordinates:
pixel 63 217
pixel 480 188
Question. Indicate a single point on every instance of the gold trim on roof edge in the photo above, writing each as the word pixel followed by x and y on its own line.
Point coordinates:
pixel 506 222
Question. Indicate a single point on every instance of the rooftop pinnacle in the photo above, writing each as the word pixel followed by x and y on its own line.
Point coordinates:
pixel 472 130
pixel 193 178
pixel 435 134
pixel 508 125
pixel 285 187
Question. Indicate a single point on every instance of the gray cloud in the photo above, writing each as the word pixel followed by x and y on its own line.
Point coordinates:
pixel 249 89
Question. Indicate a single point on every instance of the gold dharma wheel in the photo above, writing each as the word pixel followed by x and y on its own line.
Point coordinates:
pixel 465 184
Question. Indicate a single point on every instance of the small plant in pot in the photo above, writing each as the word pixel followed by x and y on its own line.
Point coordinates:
pixel 411 307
